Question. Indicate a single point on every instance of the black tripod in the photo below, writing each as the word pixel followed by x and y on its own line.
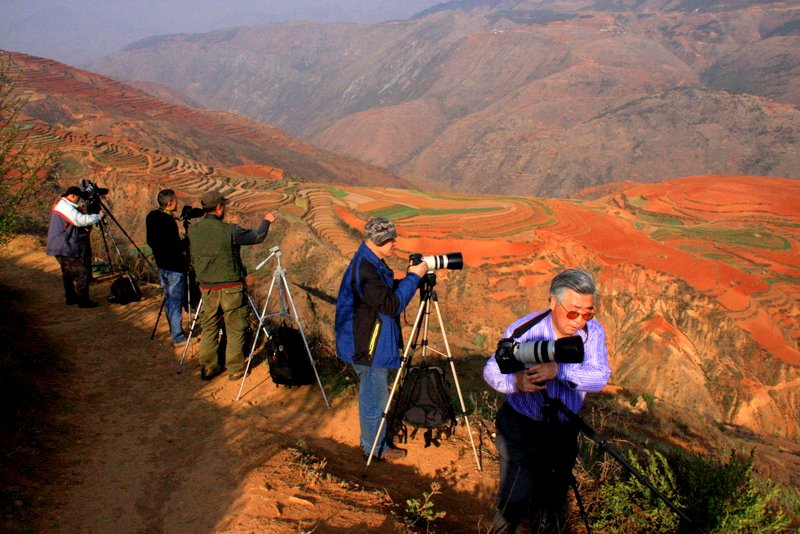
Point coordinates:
pixel 553 406
pixel 105 232
pixel 427 295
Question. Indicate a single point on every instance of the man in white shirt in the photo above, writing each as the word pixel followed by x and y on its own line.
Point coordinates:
pixel 63 242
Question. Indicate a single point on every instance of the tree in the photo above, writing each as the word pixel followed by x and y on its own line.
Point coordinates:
pixel 23 168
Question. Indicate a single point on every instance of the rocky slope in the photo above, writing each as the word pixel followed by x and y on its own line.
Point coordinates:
pixel 73 99
pixel 515 96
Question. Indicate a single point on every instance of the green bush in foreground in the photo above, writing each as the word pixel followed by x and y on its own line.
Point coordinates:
pixel 628 506
pixel 726 497
pixel 719 497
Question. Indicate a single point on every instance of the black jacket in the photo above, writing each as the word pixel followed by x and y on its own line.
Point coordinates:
pixel 165 241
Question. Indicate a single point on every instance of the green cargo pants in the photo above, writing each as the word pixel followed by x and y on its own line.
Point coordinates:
pixel 228 305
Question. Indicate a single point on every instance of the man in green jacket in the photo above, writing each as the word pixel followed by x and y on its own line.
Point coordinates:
pixel 217 262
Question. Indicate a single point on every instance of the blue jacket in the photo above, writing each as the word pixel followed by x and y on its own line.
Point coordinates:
pixel 368 311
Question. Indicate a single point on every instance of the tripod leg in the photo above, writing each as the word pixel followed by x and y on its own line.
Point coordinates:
pixel 103 229
pixel 191 333
pixel 158 318
pixel 458 385
pixel 285 295
pixel 404 363
pixel 261 317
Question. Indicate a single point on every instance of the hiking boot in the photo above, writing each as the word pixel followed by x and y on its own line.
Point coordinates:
pixel 72 300
pixel 392 455
pixel 87 303
pixel 208 373
pixel 233 377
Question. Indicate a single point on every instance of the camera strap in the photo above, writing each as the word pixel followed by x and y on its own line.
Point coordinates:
pixel 527 325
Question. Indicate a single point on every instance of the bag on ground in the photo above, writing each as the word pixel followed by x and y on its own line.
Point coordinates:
pixel 124 291
pixel 425 403
pixel 289 364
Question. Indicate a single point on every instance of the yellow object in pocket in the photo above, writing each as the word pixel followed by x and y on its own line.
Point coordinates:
pixel 373 340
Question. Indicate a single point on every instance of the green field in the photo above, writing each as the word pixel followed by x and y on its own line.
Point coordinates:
pixel 742 237
pixel 398 212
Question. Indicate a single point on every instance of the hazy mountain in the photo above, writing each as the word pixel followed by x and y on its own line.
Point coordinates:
pixel 76 100
pixel 513 96
pixel 77 32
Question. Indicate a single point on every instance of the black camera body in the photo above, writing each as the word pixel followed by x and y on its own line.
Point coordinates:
pixel 190 212
pixel 513 356
pixel 91 193
pixel 451 261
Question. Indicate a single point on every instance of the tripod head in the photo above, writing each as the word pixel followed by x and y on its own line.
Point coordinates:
pixel 274 251
pixel 426 285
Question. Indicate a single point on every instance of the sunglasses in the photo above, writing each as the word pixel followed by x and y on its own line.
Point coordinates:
pixel 572 314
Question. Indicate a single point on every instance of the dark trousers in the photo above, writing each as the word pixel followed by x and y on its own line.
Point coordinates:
pixel 228 305
pixel 75 278
pixel 536 461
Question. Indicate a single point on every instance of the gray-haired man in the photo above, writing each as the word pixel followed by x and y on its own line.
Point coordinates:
pixel 538 448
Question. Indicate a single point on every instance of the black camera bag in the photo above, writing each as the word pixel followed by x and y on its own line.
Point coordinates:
pixel 425 402
pixel 124 290
pixel 289 364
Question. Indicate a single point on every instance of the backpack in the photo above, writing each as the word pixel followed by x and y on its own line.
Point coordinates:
pixel 124 290
pixel 289 363
pixel 425 402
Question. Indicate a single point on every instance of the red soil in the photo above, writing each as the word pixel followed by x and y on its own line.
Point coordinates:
pixel 259 171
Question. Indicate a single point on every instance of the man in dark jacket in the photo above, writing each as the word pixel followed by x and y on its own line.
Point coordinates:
pixel 367 325
pixel 169 251
pixel 64 242
pixel 217 263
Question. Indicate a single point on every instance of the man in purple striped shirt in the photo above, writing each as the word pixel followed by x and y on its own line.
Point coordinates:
pixel 537 445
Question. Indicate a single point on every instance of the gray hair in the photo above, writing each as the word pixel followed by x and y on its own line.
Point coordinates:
pixel 578 280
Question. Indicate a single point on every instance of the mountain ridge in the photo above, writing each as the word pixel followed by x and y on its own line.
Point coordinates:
pixel 474 98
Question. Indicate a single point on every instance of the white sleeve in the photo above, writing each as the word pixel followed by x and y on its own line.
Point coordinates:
pixel 71 213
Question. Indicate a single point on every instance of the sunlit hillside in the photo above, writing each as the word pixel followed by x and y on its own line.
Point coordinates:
pixel 699 277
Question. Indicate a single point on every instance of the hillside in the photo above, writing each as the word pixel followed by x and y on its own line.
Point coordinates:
pixel 123 122
pixel 522 97
pixel 701 269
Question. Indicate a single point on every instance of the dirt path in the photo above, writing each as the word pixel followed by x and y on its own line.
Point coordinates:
pixel 148 450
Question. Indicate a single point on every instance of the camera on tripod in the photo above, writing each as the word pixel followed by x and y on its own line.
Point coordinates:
pixel 451 261
pixel 513 356
pixel 190 212
pixel 91 193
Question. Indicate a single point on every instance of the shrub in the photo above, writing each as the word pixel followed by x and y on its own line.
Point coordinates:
pixel 726 497
pixel 628 506
pixel 719 497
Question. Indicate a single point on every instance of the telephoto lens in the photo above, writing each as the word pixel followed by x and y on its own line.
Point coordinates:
pixel 452 261
pixel 513 357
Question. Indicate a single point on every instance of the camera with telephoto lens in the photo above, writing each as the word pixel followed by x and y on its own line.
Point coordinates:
pixel 190 212
pixel 513 356
pixel 451 261
pixel 91 193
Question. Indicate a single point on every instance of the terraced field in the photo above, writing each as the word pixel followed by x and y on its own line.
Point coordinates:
pixel 735 238
pixel 713 258
pixel 732 239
